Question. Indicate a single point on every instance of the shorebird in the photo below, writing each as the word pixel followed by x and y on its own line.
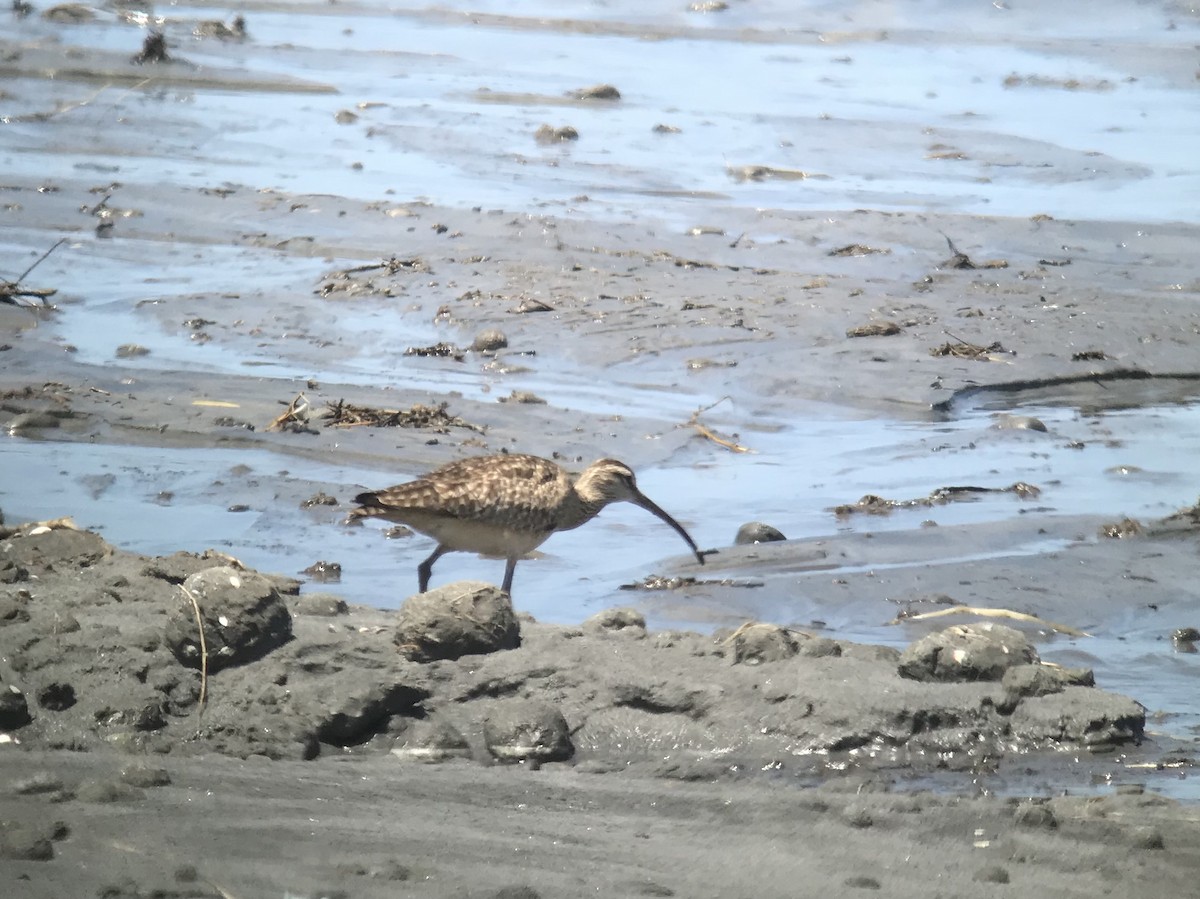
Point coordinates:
pixel 505 506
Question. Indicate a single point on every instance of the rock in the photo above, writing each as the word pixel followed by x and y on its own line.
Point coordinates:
pixel 528 730
pixel 1041 680
pixel 14 708
pixel 661 699
pixel 753 644
pixel 243 614
pixel 489 341
pixel 145 776
pixel 56 697
pixel 25 842
pixel 104 791
pixel 991 874
pixel 326 605
pixel 1035 815
pixel 354 706
pixel 547 134
pixel 463 618
pixel 966 652
pixel 622 620
pixel 1079 716
pixel 14 608
pixel 757 532
pixel 820 647
pixel 1019 423
pixel 432 740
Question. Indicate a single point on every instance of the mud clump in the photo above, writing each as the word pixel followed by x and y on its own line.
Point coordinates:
pixel 967 652
pixel 227 617
pixel 463 618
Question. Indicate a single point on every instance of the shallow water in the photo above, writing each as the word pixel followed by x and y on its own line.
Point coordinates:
pixel 894 106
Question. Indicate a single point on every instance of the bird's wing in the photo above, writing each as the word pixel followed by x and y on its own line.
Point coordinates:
pixel 515 491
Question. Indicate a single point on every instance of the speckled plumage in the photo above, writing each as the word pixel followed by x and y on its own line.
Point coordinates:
pixel 504 505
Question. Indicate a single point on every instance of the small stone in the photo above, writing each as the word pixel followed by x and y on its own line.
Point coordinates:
pixel 35 784
pixel 820 648
pixel 528 730
pixel 56 697
pixel 1035 815
pixel 623 620
pixel 432 740
pixel 103 791
pixel 325 605
pixel 489 341
pixel 25 843
pixel 145 776
pixel 863 882
pixel 753 644
pixel 757 532
pixel 859 818
pixel 1148 838
pixel 991 874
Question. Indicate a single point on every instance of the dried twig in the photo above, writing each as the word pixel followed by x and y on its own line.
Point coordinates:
pixel 992 613
pixel 706 432
pixel 203 648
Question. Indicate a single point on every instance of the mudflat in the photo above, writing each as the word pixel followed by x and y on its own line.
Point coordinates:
pixel 178 722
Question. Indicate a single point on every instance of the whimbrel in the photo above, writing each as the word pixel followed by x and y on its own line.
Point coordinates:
pixel 505 505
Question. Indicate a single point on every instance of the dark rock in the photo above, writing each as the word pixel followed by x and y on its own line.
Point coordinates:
pixel 757 532
pixel 966 652
pixel 243 614
pixel 325 605
pixel 625 620
pixel 432 740
pixel 56 697
pixel 358 705
pixel 463 618
pixel 753 644
pixel 14 709
pixel 528 730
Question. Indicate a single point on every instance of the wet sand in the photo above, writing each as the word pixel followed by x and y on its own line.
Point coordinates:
pixel 690 775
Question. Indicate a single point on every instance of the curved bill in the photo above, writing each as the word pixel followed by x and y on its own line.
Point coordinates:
pixel 646 503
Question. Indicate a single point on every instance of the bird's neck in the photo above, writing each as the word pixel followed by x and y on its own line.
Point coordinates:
pixel 580 509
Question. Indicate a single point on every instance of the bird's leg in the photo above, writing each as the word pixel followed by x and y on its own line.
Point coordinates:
pixel 509 567
pixel 425 569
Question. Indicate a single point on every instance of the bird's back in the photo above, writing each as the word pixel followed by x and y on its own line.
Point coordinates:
pixel 511 491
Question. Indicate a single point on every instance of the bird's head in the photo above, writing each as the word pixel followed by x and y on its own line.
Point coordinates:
pixel 609 481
